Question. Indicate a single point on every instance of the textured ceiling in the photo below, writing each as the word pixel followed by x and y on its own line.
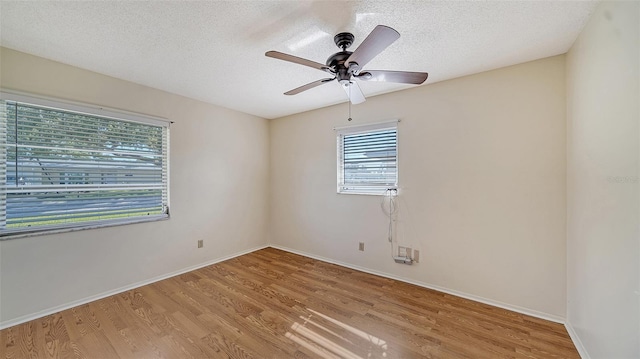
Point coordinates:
pixel 214 50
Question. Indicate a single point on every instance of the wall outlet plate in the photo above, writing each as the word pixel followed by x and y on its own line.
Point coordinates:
pixel 200 243
pixel 361 246
pixel 402 251
pixel 416 255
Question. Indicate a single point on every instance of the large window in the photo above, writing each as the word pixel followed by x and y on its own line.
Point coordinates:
pixel 368 159
pixel 68 166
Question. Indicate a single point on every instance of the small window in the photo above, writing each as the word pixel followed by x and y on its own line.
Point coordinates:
pixel 368 159
pixel 67 166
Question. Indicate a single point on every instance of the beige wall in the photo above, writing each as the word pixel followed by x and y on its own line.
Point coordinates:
pixel 219 174
pixel 482 186
pixel 603 81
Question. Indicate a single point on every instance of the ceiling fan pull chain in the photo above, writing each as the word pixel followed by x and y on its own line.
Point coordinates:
pixel 349 119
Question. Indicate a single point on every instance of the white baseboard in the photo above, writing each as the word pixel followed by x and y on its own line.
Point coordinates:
pixel 495 303
pixel 75 303
pixel 576 341
pixel 533 313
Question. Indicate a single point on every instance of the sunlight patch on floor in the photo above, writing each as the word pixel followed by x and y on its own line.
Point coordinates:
pixel 314 340
pixel 364 335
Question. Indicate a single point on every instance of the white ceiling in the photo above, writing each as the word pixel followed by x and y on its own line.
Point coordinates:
pixel 214 50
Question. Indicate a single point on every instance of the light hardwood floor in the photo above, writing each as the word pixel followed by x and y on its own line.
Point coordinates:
pixel 274 304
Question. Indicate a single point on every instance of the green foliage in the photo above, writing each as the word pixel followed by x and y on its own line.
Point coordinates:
pixel 69 135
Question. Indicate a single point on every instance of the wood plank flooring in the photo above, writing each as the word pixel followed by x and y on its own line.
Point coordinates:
pixel 274 304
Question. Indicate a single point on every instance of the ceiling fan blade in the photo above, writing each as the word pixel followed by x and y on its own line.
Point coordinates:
pixel 354 93
pixel 297 60
pixel 378 40
pixel 404 77
pixel 308 86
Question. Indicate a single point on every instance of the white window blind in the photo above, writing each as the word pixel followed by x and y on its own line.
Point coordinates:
pixel 67 169
pixel 368 159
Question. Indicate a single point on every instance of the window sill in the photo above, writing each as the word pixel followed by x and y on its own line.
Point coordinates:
pixel 81 227
pixel 381 192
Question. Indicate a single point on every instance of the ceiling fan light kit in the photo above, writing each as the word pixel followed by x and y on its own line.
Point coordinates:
pixel 346 66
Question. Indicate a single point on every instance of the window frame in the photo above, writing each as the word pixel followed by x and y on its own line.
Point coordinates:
pixel 94 111
pixel 373 190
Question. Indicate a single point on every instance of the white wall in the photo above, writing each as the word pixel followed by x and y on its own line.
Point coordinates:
pixel 219 174
pixel 603 248
pixel 482 176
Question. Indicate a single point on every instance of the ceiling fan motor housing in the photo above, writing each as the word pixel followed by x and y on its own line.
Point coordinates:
pixel 338 59
pixel 343 73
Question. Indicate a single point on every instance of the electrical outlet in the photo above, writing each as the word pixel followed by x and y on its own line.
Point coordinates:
pixel 402 251
pixel 408 251
pixel 361 246
pixel 416 255
pixel 200 243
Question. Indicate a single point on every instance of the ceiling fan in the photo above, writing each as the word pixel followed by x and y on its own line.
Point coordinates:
pixel 346 66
